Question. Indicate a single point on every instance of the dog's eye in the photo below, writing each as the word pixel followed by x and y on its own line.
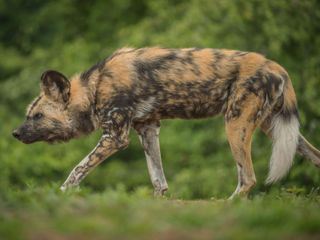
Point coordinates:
pixel 37 116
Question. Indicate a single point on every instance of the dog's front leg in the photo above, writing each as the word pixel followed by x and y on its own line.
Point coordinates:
pixel 149 138
pixel 116 127
pixel 106 147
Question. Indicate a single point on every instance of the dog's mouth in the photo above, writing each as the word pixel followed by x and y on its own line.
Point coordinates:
pixel 29 140
pixel 51 137
pixel 26 140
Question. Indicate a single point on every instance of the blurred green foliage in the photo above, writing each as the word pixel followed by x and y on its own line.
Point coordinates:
pixel 71 35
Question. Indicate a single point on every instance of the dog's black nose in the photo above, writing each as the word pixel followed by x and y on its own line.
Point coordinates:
pixel 16 134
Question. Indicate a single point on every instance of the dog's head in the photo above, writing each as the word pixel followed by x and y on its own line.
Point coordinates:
pixel 47 118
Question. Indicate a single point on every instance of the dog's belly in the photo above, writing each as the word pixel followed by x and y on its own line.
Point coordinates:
pixel 184 107
pixel 193 100
pixel 185 103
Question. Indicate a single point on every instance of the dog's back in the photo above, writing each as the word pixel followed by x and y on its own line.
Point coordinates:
pixel 173 83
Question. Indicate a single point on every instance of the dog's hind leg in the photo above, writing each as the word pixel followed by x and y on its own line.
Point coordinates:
pixel 242 118
pixel 308 151
pixel 239 135
pixel 149 138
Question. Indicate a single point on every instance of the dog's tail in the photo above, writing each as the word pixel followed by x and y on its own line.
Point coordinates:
pixel 285 134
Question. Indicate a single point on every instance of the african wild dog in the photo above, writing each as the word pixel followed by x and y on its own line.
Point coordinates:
pixel 139 87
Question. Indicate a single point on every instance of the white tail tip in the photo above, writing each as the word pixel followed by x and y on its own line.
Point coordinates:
pixel 285 136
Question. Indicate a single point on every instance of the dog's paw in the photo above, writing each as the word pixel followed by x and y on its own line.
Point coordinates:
pixel 63 188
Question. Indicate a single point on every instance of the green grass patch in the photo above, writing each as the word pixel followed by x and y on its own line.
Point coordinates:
pixel 46 213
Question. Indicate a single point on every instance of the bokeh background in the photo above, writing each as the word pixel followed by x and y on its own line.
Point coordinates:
pixel 72 35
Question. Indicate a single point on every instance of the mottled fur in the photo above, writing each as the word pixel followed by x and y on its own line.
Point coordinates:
pixel 139 87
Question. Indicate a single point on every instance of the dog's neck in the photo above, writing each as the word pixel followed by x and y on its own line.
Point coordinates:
pixel 81 107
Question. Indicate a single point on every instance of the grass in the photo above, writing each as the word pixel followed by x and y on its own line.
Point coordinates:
pixel 46 213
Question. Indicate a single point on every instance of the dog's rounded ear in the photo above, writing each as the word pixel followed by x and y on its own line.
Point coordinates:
pixel 55 85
